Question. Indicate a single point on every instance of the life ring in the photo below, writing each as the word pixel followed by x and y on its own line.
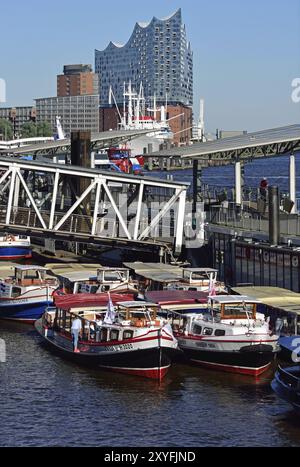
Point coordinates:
pixel 295 261
pixel 266 256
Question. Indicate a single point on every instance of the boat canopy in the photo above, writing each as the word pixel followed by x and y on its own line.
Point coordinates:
pixel 235 307
pixel 233 299
pixel 275 297
pixel 132 304
pixel 200 270
pixel 176 297
pixel 165 273
pixel 162 273
pixel 78 276
pixel 69 301
pixel 29 267
pixel 59 269
pixel 150 268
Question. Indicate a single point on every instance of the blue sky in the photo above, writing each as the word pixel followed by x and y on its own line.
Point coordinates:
pixel 246 53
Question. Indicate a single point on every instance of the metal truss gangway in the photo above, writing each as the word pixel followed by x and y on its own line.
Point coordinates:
pixel 90 206
pixel 99 141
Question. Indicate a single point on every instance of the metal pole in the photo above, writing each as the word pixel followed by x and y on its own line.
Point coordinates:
pixel 54 198
pixel 293 183
pixel 96 208
pixel 238 183
pixel 195 184
pixel 274 219
pixel 11 194
pixel 180 222
pixel 138 214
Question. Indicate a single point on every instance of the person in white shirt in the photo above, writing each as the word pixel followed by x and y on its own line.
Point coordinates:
pixel 76 329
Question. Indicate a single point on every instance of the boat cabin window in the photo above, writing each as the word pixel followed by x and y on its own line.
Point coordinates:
pixel 197 329
pixel 104 335
pixel 208 332
pixel 220 332
pixel 29 277
pixel 133 314
pixel 113 276
pixel 127 335
pixel 114 334
pixel 238 311
pixel 16 292
pixel 87 288
pixel 193 289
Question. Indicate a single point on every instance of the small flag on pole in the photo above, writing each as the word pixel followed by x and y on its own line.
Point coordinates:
pixel 212 287
pixel 110 313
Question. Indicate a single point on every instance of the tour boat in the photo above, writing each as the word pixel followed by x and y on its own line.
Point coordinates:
pixel 15 247
pixel 129 338
pixel 230 336
pixel 25 295
pixel 157 276
pixel 197 279
pixel 105 279
pixel 286 385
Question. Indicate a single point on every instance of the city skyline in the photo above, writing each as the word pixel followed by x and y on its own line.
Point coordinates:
pixel 245 56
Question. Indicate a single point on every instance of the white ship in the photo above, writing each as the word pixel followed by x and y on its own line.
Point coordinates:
pixel 136 117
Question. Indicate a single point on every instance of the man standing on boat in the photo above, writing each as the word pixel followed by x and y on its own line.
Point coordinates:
pixel 76 329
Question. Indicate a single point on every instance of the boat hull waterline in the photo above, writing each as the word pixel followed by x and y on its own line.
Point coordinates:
pixel 286 385
pixel 153 361
pixel 11 253
pixel 247 358
pixel 27 312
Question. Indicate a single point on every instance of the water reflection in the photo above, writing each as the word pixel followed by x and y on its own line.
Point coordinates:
pixel 49 401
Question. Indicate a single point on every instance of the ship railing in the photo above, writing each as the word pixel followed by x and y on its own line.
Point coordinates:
pixel 107 226
pixel 235 217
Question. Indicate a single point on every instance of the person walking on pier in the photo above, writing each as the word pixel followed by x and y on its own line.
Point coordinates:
pixel 263 187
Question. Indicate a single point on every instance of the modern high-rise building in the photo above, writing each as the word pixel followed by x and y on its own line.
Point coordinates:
pixel 75 112
pixel 159 57
pixel 77 80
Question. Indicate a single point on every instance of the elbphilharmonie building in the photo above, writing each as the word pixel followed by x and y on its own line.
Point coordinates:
pixel 157 55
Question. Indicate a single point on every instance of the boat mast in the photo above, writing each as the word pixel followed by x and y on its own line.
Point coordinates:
pixel 112 96
pixel 130 105
pixel 124 105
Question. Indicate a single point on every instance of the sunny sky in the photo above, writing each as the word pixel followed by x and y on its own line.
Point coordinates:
pixel 246 53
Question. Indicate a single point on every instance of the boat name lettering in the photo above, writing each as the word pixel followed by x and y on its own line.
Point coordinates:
pixel 116 348
pixel 205 345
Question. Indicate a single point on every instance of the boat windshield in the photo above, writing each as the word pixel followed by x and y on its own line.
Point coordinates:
pixel 113 276
pixel 236 311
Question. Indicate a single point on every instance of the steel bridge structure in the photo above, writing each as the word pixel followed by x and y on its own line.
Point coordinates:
pixel 98 141
pixel 69 203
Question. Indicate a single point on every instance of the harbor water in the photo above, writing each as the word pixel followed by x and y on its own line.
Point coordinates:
pixel 275 169
pixel 48 401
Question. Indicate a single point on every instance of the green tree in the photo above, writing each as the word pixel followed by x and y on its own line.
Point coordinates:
pixel 32 130
pixel 29 130
pixel 6 130
pixel 44 129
